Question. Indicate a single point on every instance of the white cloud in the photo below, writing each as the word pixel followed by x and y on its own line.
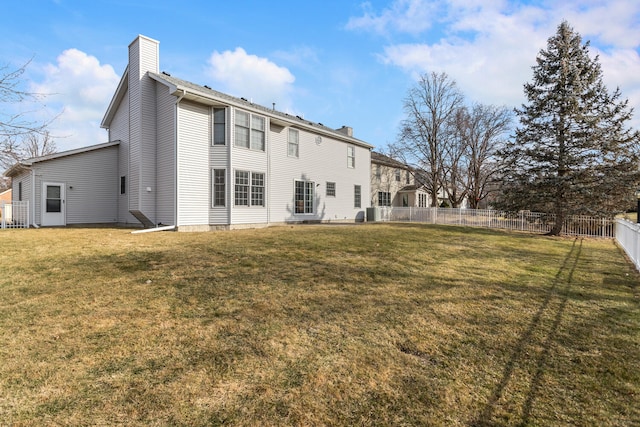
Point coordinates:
pixel 252 77
pixel 489 47
pixel 410 16
pixel 79 88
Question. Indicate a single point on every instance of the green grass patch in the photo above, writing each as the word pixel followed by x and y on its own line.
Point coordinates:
pixel 317 325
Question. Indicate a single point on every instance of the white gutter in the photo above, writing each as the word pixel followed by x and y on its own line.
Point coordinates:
pixel 175 164
pixel 33 197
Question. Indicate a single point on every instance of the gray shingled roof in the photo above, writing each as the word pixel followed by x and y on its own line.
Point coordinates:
pixel 223 97
pixel 387 161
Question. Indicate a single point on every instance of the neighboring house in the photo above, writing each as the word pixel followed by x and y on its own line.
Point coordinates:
pixel 186 155
pixel 5 196
pixel 393 184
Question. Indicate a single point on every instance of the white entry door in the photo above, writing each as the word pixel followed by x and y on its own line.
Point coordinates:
pixel 53 204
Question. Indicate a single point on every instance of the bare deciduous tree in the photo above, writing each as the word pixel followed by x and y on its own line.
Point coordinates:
pixel 424 134
pixel 21 136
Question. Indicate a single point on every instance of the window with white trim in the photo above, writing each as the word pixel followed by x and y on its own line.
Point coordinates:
pixel 398 175
pixel 303 197
pixel 219 178
pixel 257 189
pixel 351 156
pixel 293 146
pixel 384 198
pixel 242 188
pixel 257 133
pixel 331 189
pixel 249 131
pixel 249 188
pixel 219 126
pixel 357 196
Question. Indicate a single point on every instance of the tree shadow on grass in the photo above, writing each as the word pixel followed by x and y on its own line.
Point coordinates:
pixel 564 277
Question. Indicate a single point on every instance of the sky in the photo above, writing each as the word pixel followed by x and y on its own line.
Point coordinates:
pixel 338 62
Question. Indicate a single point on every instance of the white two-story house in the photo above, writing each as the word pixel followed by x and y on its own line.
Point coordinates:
pixel 183 154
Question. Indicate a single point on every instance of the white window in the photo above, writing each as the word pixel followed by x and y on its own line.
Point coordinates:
pixel 257 133
pixel 293 149
pixel 242 188
pixel 384 198
pixel 303 197
pixel 257 189
pixel 331 189
pixel 357 196
pixel 249 188
pixel 351 156
pixel 219 187
pixel 250 131
pixel 398 177
pixel 219 126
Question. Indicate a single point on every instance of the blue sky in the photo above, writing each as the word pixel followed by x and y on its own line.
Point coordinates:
pixel 336 62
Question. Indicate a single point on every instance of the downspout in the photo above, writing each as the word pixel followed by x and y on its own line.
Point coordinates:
pixel 175 163
pixel 32 208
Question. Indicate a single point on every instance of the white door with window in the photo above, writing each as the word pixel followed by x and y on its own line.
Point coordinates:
pixel 53 204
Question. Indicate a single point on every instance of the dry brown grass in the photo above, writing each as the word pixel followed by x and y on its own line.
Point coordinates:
pixel 316 325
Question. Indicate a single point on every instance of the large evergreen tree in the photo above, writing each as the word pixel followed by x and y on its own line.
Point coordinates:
pixel 573 152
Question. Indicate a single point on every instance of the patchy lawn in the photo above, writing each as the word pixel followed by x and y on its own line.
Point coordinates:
pixel 317 325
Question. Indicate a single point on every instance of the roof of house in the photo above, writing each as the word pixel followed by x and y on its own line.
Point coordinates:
pixel 206 95
pixel 25 164
pixel 388 161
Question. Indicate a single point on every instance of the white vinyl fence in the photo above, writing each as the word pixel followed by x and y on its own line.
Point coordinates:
pixel 14 215
pixel 534 222
pixel 628 237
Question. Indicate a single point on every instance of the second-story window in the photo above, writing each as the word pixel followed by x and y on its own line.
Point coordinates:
pixel 351 156
pixel 250 131
pixel 293 149
pixel 219 127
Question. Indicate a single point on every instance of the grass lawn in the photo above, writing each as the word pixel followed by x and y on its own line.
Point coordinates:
pixel 317 325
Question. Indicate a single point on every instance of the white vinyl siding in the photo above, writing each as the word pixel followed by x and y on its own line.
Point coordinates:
pixel 165 158
pixel 91 185
pixel 194 140
pixel 319 162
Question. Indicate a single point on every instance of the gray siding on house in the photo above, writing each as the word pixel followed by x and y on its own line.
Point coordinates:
pixel 166 163
pixel 119 131
pixel 321 161
pixel 143 57
pixel 91 185
pixel 194 139
pixel 219 157
pixel 245 159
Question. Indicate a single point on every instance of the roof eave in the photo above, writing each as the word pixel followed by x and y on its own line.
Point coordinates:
pixel 279 119
pixel 123 85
